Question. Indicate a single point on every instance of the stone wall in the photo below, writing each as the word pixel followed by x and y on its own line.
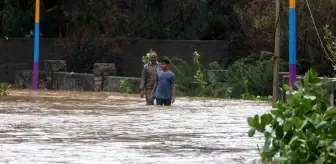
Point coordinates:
pixel 102 79
pixel 17 54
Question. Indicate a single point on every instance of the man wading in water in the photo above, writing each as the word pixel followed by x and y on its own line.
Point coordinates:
pixel 164 87
pixel 148 77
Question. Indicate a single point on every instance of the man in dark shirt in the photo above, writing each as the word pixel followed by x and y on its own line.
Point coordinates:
pixel 164 87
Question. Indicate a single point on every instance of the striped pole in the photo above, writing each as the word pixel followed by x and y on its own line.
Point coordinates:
pixel 36 46
pixel 292 44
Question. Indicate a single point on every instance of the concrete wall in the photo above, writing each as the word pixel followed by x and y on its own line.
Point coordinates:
pixel 17 54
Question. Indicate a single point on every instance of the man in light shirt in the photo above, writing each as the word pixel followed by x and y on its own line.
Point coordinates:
pixel 148 78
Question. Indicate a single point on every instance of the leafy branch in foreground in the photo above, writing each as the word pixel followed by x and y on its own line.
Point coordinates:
pixel 302 130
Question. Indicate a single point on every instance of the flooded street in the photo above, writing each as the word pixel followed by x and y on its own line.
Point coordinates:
pixel 88 128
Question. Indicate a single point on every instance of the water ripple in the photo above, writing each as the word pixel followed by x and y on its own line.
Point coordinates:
pixel 37 128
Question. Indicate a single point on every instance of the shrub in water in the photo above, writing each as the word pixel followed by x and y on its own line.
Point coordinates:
pixel 303 130
pixel 4 89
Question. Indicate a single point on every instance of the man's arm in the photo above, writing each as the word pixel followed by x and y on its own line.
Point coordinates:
pixel 155 85
pixel 143 78
pixel 173 90
pixel 173 86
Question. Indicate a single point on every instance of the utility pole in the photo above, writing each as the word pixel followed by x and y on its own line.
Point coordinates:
pixel 276 55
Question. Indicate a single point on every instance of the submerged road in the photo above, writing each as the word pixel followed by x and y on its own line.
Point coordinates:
pixel 87 128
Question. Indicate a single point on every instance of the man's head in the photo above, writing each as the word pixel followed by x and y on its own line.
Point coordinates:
pixel 153 57
pixel 164 63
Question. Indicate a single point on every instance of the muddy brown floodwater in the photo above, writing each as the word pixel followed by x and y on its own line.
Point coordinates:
pixel 89 128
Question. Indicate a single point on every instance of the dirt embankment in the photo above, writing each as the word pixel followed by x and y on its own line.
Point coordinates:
pixel 67 99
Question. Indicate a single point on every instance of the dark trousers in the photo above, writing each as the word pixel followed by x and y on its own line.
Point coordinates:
pixel 149 96
pixel 165 102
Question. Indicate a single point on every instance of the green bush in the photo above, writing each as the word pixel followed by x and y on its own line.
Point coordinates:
pixel 124 87
pixel 145 59
pixel 303 130
pixel 252 76
pixel 190 78
pixel 4 89
pixel 219 90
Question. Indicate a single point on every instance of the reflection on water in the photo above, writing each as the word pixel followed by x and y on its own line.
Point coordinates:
pixel 83 127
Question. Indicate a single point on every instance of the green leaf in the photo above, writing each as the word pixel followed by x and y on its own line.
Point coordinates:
pixel 275 123
pixel 288 124
pixel 280 106
pixel 265 155
pixel 299 85
pixel 287 87
pixel 332 130
pixel 295 99
pixel 295 141
pixel 276 112
pixel 332 155
pixel 309 97
pixel 259 127
pixel 281 159
pixel 287 114
pixel 288 136
pixel 311 77
pixel 266 119
pixel 267 144
pixel 251 132
pixel 321 125
pixel 279 132
pixel 297 121
pixel 250 121
pixel 275 146
pixel 256 119
pixel 331 112
pixel 306 124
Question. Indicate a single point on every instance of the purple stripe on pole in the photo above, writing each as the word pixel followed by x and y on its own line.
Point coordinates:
pixel 35 75
pixel 292 75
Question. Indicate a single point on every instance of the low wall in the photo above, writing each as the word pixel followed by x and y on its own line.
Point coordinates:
pixel 74 81
pixel 53 77
pixel 103 78
pixel 112 83
pixel 23 79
